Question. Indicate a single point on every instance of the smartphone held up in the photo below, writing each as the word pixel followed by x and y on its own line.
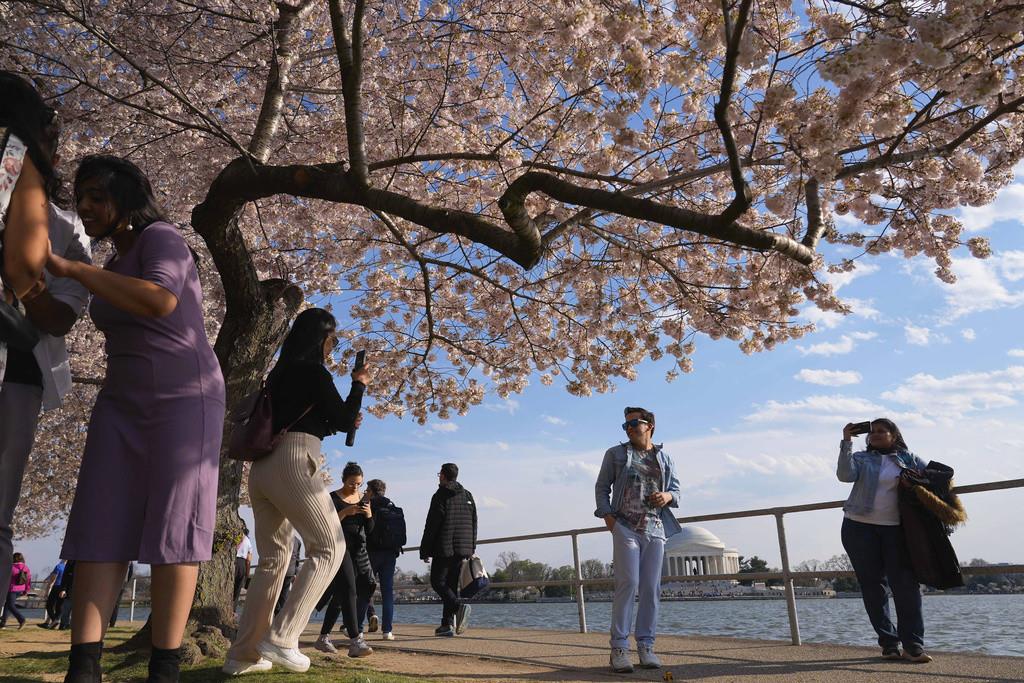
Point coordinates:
pixel 857 428
pixel 350 438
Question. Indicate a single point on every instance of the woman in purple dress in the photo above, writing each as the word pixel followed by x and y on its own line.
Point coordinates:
pixel 147 489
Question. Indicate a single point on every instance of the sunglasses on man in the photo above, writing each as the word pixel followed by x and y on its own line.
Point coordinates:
pixel 634 423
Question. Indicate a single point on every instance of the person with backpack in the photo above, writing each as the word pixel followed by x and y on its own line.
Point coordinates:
pixel 289 494
pixel 449 537
pixel 21 583
pixel 384 543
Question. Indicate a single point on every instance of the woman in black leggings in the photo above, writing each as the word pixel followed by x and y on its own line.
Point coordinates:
pixel 354 579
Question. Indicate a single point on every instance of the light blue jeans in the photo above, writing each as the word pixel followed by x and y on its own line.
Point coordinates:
pixel 637 559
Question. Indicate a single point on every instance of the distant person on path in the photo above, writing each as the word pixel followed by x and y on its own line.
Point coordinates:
pixel 635 488
pixel 384 544
pixel 353 584
pixel 120 595
pixel 53 599
pixel 873 537
pixel 449 537
pixel 20 584
pixel 147 487
pixel 40 377
pixel 243 562
pixel 67 585
pixel 288 494
pixel 289 577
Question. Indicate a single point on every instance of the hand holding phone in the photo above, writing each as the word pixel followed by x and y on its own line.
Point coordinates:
pixel 350 438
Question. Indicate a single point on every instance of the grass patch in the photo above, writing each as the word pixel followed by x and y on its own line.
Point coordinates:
pixel 43 665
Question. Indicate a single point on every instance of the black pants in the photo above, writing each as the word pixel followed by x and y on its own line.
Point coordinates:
pixel 240 577
pixel 286 587
pixel 53 604
pixel 346 590
pixel 444 579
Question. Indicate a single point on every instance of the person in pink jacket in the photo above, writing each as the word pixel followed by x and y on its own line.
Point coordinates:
pixel 21 583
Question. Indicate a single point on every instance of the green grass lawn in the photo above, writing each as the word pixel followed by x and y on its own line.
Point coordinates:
pixel 32 666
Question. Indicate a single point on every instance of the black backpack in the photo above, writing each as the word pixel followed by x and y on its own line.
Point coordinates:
pixel 388 529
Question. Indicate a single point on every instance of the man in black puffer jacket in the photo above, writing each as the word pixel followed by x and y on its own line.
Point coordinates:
pixel 449 537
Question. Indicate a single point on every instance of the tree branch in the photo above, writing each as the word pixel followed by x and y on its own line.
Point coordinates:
pixel 512 206
pixel 733 34
pixel 814 224
pixel 350 55
pixel 286 33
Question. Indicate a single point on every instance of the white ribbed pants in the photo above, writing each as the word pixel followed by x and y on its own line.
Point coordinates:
pixel 637 560
pixel 287 492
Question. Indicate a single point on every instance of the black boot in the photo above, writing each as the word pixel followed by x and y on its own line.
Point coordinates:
pixel 84 663
pixel 163 665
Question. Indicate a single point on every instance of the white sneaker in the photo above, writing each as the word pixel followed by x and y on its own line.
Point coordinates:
pixel 619 661
pixel 233 667
pixel 387 635
pixel 648 660
pixel 288 657
pixel 357 647
pixel 324 644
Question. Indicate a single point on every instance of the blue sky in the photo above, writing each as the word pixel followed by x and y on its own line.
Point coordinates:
pixel 945 362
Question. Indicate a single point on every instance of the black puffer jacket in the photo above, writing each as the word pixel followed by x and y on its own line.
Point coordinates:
pixel 450 530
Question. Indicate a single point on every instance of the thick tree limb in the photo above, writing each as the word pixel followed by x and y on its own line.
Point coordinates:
pixel 512 205
pixel 350 55
pixel 733 34
pixel 286 32
pixel 814 225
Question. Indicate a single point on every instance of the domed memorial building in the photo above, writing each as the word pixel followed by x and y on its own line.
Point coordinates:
pixel 695 551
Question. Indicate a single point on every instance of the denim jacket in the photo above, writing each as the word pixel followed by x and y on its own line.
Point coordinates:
pixel 610 484
pixel 862 469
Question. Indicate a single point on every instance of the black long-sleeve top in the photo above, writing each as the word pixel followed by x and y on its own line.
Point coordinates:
pixel 297 385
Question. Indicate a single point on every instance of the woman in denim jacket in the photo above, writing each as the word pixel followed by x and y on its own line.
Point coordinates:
pixel 873 537
pixel 635 488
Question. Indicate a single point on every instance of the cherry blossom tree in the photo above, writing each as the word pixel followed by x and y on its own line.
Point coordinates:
pixel 494 190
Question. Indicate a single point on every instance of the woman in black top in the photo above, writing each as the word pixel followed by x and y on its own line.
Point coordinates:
pixel 288 492
pixel 354 581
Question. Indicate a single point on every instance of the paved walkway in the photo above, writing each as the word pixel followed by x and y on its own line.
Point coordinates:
pixel 527 655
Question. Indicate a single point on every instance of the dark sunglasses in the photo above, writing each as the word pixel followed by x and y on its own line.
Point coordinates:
pixel 634 423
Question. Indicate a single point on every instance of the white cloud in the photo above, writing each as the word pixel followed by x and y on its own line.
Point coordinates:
pixel 573 472
pixel 985 285
pixel 804 466
pixel 968 334
pixel 828 378
pixel 859 308
pixel 840 280
pixel 918 336
pixel 1006 207
pixel 491 503
pixel 508 405
pixel 953 396
pixel 1015 353
pixel 814 408
pixel 502 445
pixel 444 427
pixel 552 420
pixel 845 345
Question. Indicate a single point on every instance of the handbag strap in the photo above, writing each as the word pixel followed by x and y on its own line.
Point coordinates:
pixel 296 420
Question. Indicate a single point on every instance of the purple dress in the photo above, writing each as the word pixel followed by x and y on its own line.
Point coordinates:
pixel 147 489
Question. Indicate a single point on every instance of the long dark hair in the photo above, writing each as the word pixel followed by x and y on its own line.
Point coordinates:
pixel 305 341
pixel 897 436
pixel 24 113
pixel 127 185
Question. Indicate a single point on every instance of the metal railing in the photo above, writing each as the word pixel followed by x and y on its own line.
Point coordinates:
pixel 786 575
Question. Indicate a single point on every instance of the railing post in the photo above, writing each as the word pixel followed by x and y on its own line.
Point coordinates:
pixel 580 605
pixel 131 613
pixel 787 581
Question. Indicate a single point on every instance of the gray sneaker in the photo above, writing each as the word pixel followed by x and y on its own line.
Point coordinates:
pixel 324 644
pixel 357 647
pixel 462 618
pixel 619 661
pixel 648 660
